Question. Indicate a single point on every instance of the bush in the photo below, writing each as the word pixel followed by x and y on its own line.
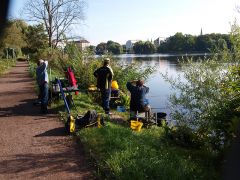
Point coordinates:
pixel 202 102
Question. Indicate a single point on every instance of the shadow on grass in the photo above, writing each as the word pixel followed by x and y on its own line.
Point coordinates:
pixel 24 108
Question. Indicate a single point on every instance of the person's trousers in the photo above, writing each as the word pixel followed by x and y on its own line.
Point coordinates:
pixel 44 97
pixel 106 99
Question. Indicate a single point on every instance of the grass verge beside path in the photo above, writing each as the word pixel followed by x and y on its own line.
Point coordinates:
pixel 6 64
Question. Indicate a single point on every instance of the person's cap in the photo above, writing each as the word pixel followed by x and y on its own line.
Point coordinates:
pixel 106 60
pixel 41 61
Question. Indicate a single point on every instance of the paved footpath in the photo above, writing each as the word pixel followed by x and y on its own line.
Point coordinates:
pixel 34 146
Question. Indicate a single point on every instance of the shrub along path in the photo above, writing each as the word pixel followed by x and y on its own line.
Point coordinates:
pixel 34 146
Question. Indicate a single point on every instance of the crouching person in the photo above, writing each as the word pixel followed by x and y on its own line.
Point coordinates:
pixel 138 95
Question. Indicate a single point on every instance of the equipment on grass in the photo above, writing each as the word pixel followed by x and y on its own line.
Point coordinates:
pixel 91 118
pixel 135 124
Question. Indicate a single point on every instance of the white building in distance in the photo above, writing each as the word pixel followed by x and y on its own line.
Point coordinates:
pixel 129 45
pixel 82 44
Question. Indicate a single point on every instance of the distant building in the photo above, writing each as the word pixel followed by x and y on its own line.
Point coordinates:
pixel 82 44
pixel 129 45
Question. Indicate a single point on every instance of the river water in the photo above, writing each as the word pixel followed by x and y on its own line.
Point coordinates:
pixel 160 90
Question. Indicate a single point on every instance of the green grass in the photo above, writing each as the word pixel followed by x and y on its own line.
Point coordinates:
pixel 6 64
pixel 121 153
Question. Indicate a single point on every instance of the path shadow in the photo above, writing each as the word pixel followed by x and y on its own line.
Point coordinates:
pixel 25 80
pixel 24 108
pixel 60 131
pixel 11 93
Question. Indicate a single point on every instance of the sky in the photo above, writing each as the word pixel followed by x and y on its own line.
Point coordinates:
pixel 122 20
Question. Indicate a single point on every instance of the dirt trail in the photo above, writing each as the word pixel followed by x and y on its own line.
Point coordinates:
pixel 34 146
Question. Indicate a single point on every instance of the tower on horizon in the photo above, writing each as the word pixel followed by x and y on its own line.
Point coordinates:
pixel 201 32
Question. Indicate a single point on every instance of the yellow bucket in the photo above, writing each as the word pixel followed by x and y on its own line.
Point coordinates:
pixel 136 125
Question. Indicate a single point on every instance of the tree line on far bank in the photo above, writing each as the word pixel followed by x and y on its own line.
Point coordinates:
pixel 178 43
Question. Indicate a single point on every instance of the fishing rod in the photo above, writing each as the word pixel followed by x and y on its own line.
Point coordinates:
pixel 154 96
pixel 158 108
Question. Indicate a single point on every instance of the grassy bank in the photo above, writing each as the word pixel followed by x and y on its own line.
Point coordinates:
pixel 121 153
pixel 6 64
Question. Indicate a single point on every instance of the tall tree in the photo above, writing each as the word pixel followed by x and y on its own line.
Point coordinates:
pixel 114 47
pixel 101 48
pixel 56 15
pixel 141 47
pixel 36 39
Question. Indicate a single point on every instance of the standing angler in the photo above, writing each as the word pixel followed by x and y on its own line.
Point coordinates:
pixel 104 77
pixel 42 80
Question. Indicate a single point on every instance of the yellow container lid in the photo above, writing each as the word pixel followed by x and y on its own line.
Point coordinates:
pixel 114 85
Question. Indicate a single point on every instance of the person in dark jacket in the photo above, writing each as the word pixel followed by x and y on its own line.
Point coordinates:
pixel 138 95
pixel 42 81
pixel 104 77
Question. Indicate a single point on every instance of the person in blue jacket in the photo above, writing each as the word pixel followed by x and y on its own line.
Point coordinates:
pixel 138 96
pixel 42 81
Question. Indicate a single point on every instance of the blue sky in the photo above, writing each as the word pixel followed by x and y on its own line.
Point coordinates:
pixel 148 19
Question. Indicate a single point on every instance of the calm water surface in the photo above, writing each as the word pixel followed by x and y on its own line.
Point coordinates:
pixel 160 90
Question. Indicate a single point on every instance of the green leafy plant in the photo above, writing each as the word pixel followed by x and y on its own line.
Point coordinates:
pixel 206 101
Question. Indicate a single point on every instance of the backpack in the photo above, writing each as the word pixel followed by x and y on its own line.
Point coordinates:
pixel 90 119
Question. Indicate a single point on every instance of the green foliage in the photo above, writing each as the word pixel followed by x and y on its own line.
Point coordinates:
pixel 141 47
pixel 101 48
pixel 13 36
pixel 125 100
pixel 114 47
pixel 109 47
pixel 36 39
pixel 187 43
pixel 92 49
pixel 184 136
pixel 6 64
pixel 134 71
pixel 207 101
